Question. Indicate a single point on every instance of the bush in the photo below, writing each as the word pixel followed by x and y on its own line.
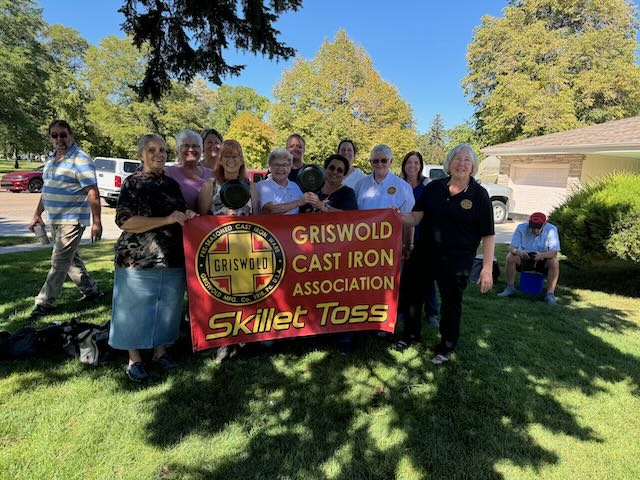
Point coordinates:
pixel 600 221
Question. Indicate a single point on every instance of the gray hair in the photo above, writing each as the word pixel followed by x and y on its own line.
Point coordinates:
pixel 145 139
pixel 279 153
pixel 384 149
pixel 187 134
pixel 454 151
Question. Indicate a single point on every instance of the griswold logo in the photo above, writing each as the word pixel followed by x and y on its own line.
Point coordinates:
pixel 240 263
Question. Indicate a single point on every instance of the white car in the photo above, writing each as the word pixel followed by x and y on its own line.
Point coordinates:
pixel 501 196
pixel 110 173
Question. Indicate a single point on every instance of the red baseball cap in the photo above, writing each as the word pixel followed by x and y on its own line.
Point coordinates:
pixel 537 220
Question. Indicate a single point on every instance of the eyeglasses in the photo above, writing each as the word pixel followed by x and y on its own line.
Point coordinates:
pixel 375 161
pixel 233 157
pixel 185 146
pixel 333 168
pixel 279 165
pixel 61 135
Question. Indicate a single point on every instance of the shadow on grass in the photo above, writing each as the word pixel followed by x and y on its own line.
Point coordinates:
pixel 617 279
pixel 382 414
pixel 299 410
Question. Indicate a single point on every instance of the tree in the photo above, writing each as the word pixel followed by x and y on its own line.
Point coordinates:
pixel 187 37
pixel 23 75
pixel 550 65
pixel 337 95
pixel 67 91
pixel 120 118
pixel 255 136
pixel 432 144
pixel 229 101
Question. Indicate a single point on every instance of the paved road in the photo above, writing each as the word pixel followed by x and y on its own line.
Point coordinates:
pixel 16 210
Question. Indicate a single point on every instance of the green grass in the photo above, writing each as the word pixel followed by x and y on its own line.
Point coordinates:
pixel 534 392
pixel 8 166
pixel 10 240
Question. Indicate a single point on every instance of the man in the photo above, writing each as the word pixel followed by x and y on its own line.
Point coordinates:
pixel 278 194
pixel 534 247
pixel 72 201
pixel 295 146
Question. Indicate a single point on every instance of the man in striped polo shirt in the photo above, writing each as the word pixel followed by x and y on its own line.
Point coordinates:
pixel 72 201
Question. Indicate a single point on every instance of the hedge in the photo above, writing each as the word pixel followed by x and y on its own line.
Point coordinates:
pixel 601 221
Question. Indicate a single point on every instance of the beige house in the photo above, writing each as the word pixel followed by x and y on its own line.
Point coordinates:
pixel 544 170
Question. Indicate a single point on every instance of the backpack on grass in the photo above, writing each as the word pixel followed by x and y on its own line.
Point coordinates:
pixel 87 341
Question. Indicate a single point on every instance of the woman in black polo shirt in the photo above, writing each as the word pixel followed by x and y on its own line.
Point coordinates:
pixel 454 214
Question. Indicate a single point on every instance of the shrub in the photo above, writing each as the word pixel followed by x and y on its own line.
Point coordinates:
pixel 600 221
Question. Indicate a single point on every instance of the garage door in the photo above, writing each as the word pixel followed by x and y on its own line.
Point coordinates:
pixel 538 187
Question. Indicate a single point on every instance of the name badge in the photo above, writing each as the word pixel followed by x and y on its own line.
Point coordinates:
pixel 391 190
pixel 466 204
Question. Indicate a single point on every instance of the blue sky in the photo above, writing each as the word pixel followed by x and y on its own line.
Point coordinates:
pixel 419 46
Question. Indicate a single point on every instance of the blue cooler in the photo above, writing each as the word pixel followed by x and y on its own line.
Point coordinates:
pixel 531 282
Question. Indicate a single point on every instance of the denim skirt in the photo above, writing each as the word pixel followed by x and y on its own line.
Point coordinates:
pixel 147 307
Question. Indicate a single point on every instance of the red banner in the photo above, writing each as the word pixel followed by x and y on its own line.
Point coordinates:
pixel 276 276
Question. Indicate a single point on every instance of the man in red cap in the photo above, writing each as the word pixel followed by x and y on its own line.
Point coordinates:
pixel 534 247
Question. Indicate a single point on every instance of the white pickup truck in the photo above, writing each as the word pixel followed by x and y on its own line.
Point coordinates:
pixel 110 173
pixel 501 196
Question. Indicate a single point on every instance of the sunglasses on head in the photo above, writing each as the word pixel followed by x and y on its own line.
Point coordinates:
pixel 61 135
pixel 375 161
pixel 333 168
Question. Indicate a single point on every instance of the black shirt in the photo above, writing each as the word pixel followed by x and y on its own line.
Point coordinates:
pixel 453 226
pixel 343 199
pixel 293 174
pixel 150 195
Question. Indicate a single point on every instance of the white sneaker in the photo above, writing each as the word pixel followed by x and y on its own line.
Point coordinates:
pixel 508 291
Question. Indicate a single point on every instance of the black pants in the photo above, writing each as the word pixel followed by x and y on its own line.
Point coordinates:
pixel 413 284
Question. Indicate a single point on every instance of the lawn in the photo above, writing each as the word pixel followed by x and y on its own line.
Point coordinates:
pixel 535 391
pixel 9 240
pixel 8 166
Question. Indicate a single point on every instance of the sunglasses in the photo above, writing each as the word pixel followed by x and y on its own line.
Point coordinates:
pixel 375 161
pixel 333 168
pixel 61 135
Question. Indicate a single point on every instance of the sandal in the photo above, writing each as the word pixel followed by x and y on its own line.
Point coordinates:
pixel 439 359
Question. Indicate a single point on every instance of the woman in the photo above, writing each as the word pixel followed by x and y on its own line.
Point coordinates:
pixel 412 166
pixel 231 166
pixel 334 196
pixel 149 277
pixel 189 175
pixel 455 215
pixel 347 149
pixel 212 143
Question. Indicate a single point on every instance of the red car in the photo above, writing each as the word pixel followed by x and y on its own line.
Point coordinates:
pixel 30 180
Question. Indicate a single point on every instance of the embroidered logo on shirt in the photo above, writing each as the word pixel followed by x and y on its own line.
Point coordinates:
pixel 391 190
pixel 466 204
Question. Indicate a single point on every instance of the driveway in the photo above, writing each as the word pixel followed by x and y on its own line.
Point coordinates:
pixel 16 210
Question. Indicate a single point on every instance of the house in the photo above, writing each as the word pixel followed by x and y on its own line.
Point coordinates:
pixel 543 171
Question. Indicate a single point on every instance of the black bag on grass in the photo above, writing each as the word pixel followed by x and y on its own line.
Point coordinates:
pixel 22 344
pixel 87 341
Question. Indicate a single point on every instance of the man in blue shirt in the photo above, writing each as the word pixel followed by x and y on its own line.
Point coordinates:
pixel 534 247
pixel 71 199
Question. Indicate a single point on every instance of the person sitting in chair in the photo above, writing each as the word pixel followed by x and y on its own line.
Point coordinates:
pixel 534 247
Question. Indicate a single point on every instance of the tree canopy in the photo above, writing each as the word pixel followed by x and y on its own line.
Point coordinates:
pixel 188 37
pixel 228 101
pixel 338 94
pixel 551 65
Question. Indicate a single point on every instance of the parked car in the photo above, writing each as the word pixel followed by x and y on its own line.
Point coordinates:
pixel 256 175
pixel 29 180
pixel 501 196
pixel 110 173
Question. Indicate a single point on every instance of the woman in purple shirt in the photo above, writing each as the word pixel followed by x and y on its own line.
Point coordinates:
pixel 189 175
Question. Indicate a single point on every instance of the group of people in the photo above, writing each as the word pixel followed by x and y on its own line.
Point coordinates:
pixel 445 222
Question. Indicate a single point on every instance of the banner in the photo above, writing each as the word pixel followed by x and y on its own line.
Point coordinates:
pixel 266 277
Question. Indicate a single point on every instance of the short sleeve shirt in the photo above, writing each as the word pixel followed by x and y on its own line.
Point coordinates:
pixel 355 175
pixel 343 199
pixel 271 192
pixel 149 195
pixel 392 191
pixel 63 194
pixel 190 187
pixel 453 225
pixel 547 241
